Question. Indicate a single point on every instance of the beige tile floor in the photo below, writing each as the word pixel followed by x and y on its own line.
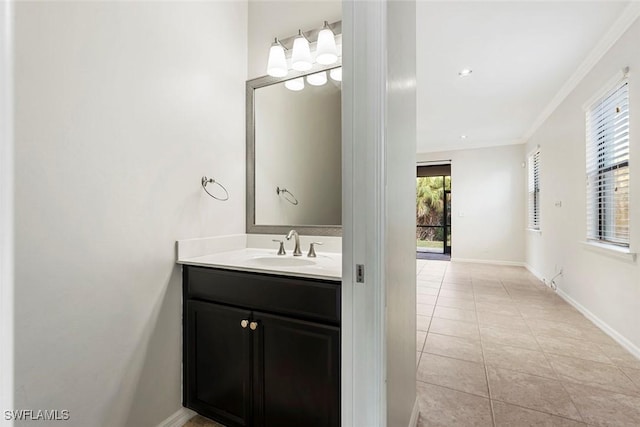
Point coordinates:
pixel 200 421
pixel 498 348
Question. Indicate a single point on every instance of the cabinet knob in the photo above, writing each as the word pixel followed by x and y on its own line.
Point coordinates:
pixel 244 323
pixel 253 325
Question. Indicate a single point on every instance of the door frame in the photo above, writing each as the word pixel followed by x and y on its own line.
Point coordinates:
pixel 375 114
pixel 446 226
pixel 6 207
pixel 447 221
pixel 363 358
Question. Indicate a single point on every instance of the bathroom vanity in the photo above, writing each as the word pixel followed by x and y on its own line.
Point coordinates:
pixel 262 326
pixel 262 339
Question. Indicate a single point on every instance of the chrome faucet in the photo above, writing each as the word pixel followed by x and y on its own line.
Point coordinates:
pixel 296 250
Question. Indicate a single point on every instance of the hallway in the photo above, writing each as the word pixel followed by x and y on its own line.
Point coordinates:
pixel 497 347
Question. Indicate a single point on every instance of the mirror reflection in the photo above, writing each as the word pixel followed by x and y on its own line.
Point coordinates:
pixel 297 137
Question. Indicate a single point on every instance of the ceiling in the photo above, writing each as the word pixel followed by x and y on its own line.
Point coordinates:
pixel 521 54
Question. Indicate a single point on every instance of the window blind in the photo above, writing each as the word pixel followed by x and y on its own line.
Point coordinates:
pixel 607 167
pixel 434 170
pixel 534 190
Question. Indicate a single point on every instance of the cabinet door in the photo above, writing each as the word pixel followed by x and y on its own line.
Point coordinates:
pixel 217 362
pixel 296 373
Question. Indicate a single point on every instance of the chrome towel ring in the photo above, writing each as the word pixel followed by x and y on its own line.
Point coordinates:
pixel 204 181
pixel 284 192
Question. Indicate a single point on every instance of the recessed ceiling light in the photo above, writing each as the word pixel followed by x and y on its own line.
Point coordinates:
pixel 466 72
pixel 463 136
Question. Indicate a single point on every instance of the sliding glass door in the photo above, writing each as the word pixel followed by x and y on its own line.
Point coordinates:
pixel 433 212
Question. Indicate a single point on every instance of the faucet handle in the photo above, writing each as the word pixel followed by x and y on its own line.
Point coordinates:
pixel 312 249
pixel 281 250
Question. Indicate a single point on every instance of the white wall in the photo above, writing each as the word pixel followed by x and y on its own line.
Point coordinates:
pixel 121 107
pixel 298 146
pixel 606 286
pixel 400 198
pixel 488 202
pixel 282 19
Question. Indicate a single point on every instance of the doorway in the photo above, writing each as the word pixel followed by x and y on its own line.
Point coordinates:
pixel 433 212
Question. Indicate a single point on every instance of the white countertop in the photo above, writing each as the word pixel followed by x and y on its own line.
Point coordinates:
pixel 324 266
pixel 228 253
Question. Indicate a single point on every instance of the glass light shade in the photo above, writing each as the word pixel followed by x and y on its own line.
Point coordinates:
pixel 301 55
pixel 317 79
pixel 277 64
pixel 336 74
pixel 326 50
pixel 295 84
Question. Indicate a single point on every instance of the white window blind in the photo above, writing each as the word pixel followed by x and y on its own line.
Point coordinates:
pixel 534 190
pixel 608 167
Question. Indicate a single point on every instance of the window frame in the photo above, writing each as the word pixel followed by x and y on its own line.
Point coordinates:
pixel 533 189
pixel 599 200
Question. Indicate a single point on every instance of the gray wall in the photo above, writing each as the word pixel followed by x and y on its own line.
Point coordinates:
pixel 121 107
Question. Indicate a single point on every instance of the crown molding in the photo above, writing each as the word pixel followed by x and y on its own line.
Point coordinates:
pixel 622 24
pixel 468 145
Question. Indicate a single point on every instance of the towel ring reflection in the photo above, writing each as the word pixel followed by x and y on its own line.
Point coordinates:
pixel 204 181
pixel 284 191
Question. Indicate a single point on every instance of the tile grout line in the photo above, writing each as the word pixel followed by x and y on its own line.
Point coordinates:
pixel 539 411
pixel 454 389
pixel 432 312
pixel 435 304
pixel 451 357
pixel 582 418
pixel 486 370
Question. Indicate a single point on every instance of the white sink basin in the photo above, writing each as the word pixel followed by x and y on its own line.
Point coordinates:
pixel 282 261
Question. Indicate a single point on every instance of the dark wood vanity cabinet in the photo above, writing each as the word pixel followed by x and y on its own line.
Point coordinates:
pixel 261 350
pixel 217 362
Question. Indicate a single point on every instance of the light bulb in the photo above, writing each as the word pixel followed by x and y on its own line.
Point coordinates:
pixel 317 79
pixel 277 64
pixel 336 74
pixel 295 84
pixel 301 55
pixel 326 50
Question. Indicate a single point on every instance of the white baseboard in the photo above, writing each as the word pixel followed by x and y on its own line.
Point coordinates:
pixel 616 336
pixel 415 414
pixel 178 418
pixel 534 272
pixel 489 261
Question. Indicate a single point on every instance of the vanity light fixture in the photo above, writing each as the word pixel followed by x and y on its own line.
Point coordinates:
pixel 295 84
pixel 277 64
pixel 465 72
pixel 301 55
pixel 317 79
pixel 326 50
pixel 336 74
pixel 295 52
